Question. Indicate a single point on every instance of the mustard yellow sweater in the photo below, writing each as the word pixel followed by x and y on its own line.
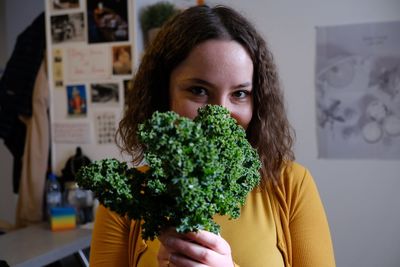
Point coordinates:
pixel 282 226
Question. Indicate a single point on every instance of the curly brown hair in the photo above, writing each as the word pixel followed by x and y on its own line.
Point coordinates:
pixel 269 130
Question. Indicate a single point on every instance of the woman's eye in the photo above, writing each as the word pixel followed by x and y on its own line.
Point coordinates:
pixel 241 94
pixel 199 91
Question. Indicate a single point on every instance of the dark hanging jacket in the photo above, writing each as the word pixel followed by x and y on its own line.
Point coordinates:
pixel 16 90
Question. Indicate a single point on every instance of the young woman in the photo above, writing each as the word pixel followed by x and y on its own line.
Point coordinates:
pixel 214 56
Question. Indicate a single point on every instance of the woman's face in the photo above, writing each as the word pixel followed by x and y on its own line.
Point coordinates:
pixel 215 72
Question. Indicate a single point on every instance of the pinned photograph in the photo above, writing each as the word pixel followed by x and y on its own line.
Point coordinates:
pixel 128 86
pixel 122 60
pixel 64 4
pixel 108 21
pixel 67 28
pixel 77 101
pixel 106 94
pixel 58 70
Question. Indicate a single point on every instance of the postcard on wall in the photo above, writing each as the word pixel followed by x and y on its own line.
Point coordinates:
pixel 105 127
pixel 71 133
pixel 56 5
pixel 105 94
pixel 128 87
pixel 77 100
pixel 58 69
pixel 88 63
pixel 358 91
pixel 122 60
pixel 68 28
pixel 108 21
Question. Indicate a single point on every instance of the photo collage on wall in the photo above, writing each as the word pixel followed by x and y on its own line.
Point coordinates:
pixel 91 63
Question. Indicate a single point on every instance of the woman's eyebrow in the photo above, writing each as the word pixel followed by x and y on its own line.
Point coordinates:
pixel 198 81
pixel 243 85
pixel 206 83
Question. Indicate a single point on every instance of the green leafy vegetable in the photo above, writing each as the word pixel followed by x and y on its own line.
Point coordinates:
pixel 198 168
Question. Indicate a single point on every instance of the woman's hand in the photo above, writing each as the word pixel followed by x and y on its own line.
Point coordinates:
pixel 193 249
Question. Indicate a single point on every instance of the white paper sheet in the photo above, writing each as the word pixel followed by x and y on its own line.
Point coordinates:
pixel 358 91
pixel 88 63
pixel 71 133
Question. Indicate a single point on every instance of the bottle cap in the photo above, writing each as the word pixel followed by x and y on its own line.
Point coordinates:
pixel 52 176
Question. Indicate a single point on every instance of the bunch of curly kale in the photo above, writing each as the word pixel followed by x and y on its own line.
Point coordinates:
pixel 198 168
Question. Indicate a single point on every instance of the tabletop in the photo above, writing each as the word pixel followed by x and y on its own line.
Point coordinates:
pixel 37 245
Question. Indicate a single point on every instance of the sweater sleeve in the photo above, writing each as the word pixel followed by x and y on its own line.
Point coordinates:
pixel 309 229
pixel 109 246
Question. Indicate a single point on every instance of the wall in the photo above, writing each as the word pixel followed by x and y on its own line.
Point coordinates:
pixel 6 212
pixel 2 36
pixel 360 196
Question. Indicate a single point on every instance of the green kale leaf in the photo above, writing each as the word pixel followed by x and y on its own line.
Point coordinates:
pixel 197 168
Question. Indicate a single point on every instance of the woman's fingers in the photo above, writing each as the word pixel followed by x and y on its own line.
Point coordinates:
pixel 195 249
pixel 181 261
pixel 210 240
pixel 204 238
pixel 163 257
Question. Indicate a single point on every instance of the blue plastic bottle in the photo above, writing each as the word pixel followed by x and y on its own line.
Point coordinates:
pixel 53 193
